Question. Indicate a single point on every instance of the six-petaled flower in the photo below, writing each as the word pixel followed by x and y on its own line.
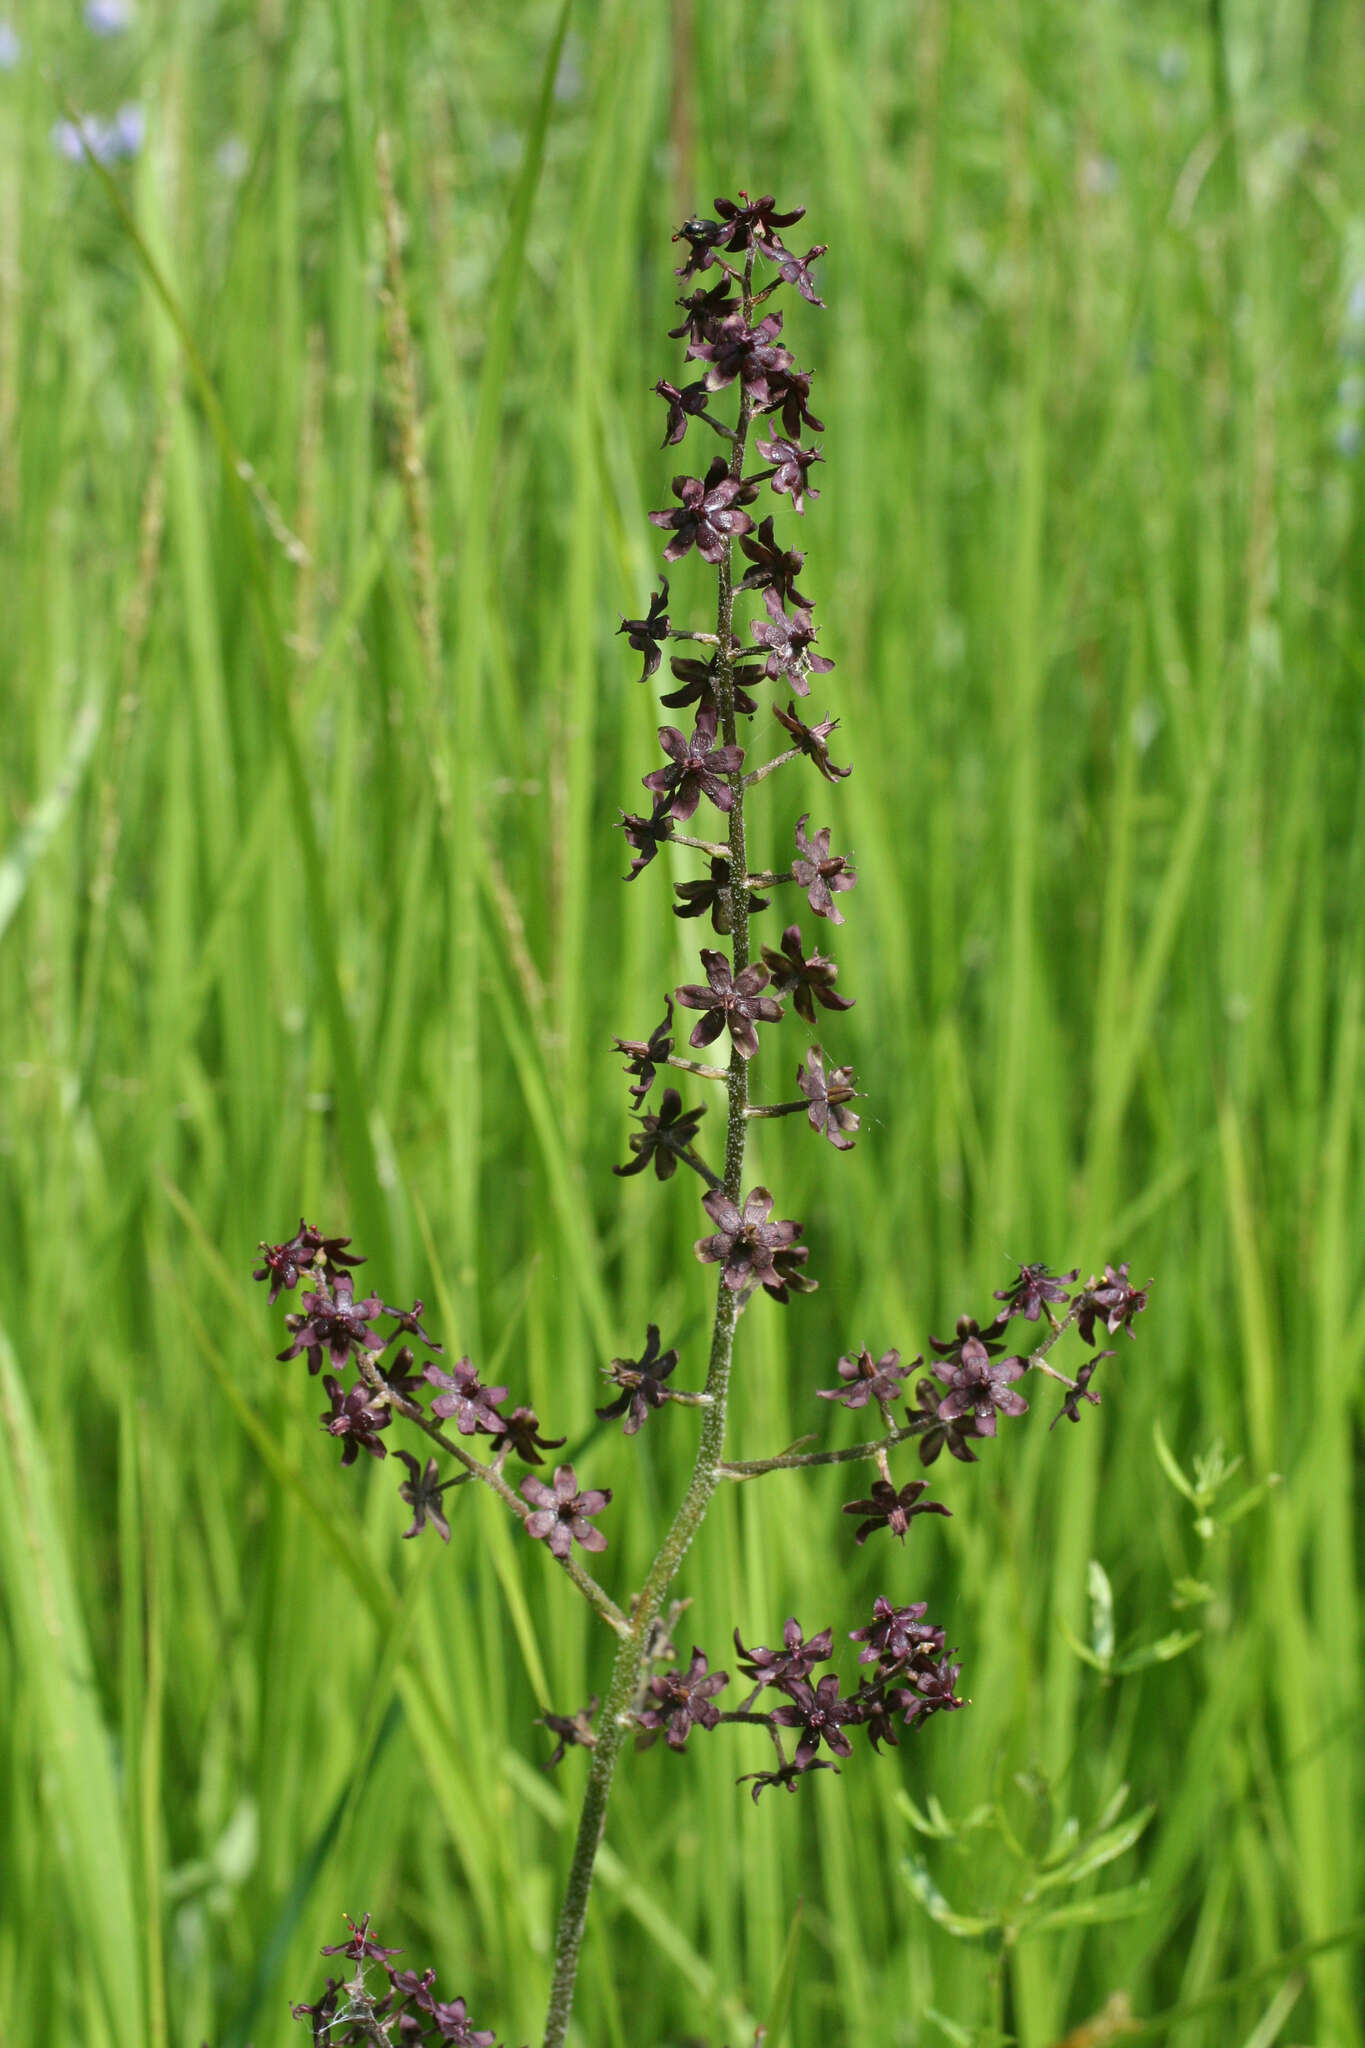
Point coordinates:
pixel 695 768
pixel 708 515
pixel 828 1093
pixel 1113 1303
pixel 796 1659
pixel 820 1714
pixel 563 1514
pixel 644 1056
pixel 714 895
pixel 334 1325
pixel 646 835
pixel 790 462
pixel 746 1244
pixel 811 740
pixel 422 1491
pixel 822 874
pixel 774 568
pixel 788 638
pixel 807 981
pixel 641 1383
pixel 887 1508
pixel 1035 1287
pixel 981 1388
pixel 466 1400
pixel 646 635
pixel 681 1701
pixel 665 1137
pixel 356 1417
pixel 867 1379
pixel 1080 1390
pixel 733 1002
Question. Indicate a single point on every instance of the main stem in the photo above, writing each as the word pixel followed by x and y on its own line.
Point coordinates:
pixel 613 1725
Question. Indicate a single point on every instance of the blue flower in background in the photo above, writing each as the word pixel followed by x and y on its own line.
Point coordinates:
pixel 108 17
pixel 109 142
pixel 11 49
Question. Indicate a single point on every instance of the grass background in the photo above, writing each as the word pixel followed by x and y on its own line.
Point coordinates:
pixel 309 901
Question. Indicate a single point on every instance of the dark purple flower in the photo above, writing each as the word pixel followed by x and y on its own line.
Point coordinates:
pixel 695 767
pixel 641 1383
pixel 981 1388
pixel 665 1137
pixel 1114 1304
pixel 683 404
pixel 701 685
pixel 361 1948
pixel 790 463
pixel 971 1345
pixel 1036 1286
pixel 787 1777
pixel 822 874
pixel 868 1379
pixel 756 221
pixel 874 1716
pixel 422 1491
pixel 646 835
pixel 282 1264
pixel 409 1321
pixel 746 1243
pixel 334 1323
pixel 936 1435
pixel 750 223
pixel 562 1512
pixel 400 1378
pixel 788 639
pixel 709 513
pixel 682 1701
pixel 752 354
pixel 522 1435
pixel 465 1398
pixel 828 1095
pixel 573 1730
pixel 357 1417
pixel 791 396
pixel 897 1636
pixel 1080 1391
pixel 812 740
pixel 647 635
pixel 774 568
pixel 933 1693
pixel 323 2014
pixel 820 1714
pixel 796 270
pixel 704 309
pixel 732 1000
pixel 887 1509
pixel 644 1057
pixel 453 2027
pixel 806 981
pixel 713 895
pixel 796 1659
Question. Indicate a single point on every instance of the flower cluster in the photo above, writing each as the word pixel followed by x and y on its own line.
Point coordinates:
pixel 737 342
pixel 332 1325
pixel 406 2009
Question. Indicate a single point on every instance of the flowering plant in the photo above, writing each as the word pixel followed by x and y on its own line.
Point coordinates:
pixel 906 1672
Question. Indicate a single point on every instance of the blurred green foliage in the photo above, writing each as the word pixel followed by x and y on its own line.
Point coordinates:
pixel 300 912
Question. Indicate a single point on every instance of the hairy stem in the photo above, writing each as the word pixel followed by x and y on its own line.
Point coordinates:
pixel 706 1472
